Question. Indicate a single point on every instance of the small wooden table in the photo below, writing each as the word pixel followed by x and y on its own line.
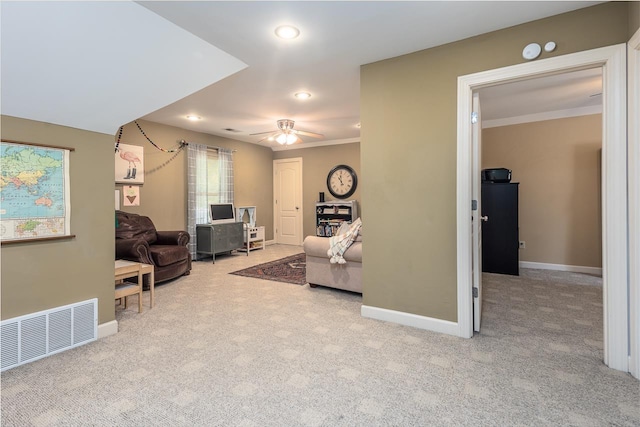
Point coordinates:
pixel 127 269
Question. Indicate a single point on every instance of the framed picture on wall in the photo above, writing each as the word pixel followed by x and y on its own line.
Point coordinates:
pixel 36 202
pixel 131 195
pixel 129 164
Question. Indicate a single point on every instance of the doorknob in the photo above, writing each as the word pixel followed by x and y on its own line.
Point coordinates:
pixel 297 208
pixel 485 218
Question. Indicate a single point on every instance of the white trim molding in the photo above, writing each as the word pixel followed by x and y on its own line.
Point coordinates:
pixel 107 328
pixel 539 117
pixel 315 144
pixel 408 319
pixel 612 59
pixel 561 267
pixel 633 57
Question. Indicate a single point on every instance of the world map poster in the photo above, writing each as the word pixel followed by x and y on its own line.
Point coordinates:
pixel 34 192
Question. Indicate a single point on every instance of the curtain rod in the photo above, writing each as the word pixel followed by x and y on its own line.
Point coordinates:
pixel 185 143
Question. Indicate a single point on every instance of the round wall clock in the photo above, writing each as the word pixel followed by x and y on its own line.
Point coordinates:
pixel 342 181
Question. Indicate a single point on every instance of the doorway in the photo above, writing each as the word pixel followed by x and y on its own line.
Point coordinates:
pixel 548 131
pixel 614 196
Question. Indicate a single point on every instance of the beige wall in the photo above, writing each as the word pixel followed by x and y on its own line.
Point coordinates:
pixel 634 17
pixel 408 152
pixel 557 163
pixel 316 164
pixel 42 275
pixel 163 197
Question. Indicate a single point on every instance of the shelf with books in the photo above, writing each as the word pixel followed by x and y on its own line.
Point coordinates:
pixel 331 215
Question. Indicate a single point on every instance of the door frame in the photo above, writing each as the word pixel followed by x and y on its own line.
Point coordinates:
pixel 614 186
pixel 476 223
pixel 633 58
pixel 275 208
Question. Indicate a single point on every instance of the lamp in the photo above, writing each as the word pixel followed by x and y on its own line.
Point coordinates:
pixel 286 138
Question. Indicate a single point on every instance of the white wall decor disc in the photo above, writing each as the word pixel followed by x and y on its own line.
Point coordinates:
pixel 531 51
pixel 550 46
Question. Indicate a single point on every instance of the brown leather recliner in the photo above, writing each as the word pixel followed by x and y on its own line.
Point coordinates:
pixel 138 240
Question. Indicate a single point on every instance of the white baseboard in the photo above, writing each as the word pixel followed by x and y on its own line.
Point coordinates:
pixel 408 319
pixel 561 267
pixel 269 242
pixel 108 328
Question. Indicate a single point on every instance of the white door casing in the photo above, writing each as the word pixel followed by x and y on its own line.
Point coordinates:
pixel 476 223
pixel 287 201
pixel 633 98
pixel 614 186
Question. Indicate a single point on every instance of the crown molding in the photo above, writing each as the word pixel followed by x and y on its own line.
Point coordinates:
pixel 539 117
pixel 316 144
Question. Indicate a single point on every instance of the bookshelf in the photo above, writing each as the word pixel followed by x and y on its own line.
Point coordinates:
pixel 331 215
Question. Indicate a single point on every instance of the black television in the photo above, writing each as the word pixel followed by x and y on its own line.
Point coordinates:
pixel 222 213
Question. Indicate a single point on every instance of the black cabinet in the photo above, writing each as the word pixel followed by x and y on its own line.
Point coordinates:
pixel 500 237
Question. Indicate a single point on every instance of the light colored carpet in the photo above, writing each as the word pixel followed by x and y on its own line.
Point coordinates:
pixel 225 350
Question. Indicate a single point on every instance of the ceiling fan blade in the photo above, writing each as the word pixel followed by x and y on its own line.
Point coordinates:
pixel 265 138
pixel 311 134
pixel 262 133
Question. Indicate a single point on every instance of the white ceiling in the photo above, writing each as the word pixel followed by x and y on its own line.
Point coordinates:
pixel 561 95
pixel 93 64
pixel 98 65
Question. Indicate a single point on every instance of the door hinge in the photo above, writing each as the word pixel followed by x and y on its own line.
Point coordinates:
pixel 475 292
pixel 474 118
pixel 474 205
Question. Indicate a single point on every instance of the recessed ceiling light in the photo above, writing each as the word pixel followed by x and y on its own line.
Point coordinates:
pixel 194 118
pixel 287 32
pixel 358 125
pixel 303 95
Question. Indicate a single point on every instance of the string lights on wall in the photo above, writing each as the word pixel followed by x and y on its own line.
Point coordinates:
pixel 182 143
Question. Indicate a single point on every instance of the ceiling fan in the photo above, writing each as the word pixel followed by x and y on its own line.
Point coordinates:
pixel 286 135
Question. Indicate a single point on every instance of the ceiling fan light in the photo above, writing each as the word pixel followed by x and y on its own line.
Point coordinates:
pixel 291 138
pixel 281 139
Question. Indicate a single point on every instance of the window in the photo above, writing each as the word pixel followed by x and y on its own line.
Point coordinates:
pixel 209 180
pixel 213 177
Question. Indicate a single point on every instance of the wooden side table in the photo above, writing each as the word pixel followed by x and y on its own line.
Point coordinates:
pixel 127 269
pixel 148 269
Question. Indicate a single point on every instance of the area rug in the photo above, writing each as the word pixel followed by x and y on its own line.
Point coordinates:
pixel 291 269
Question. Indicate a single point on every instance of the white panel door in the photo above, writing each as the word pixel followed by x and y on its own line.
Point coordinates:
pixel 287 192
pixel 477 218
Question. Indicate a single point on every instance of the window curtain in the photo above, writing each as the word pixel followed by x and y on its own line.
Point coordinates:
pixel 197 206
pixel 225 159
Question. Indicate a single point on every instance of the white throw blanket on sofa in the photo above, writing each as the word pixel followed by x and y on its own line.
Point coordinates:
pixel 339 243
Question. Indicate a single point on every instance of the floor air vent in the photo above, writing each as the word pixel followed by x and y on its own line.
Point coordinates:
pixel 34 336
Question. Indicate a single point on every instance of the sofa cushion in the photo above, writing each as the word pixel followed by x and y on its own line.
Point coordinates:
pixel 164 255
pixel 132 226
pixel 318 247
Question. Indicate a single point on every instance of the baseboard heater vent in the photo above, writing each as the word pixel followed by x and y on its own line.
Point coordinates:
pixel 34 336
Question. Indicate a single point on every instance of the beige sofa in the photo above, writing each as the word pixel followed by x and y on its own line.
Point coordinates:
pixel 341 276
